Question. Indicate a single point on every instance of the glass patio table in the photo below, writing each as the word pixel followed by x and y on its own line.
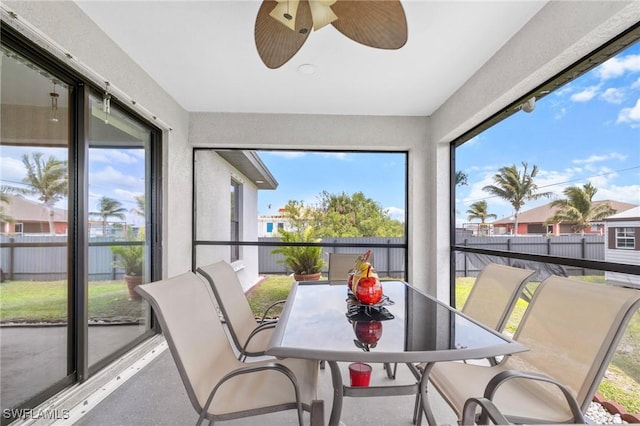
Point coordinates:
pixel 321 320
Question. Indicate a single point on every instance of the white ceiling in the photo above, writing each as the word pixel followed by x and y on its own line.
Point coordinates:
pixel 203 54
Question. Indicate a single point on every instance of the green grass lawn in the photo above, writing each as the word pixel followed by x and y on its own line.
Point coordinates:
pixel 46 301
pixel 621 384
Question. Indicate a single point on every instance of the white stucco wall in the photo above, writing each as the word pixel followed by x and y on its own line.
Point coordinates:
pixel 560 34
pixel 213 178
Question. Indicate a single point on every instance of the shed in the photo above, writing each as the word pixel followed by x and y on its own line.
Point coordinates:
pixel 622 244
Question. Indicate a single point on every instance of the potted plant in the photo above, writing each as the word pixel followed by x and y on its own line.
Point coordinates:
pixel 130 258
pixel 305 261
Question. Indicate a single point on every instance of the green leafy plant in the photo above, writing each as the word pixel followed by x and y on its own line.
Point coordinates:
pixel 302 260
pixel 130 257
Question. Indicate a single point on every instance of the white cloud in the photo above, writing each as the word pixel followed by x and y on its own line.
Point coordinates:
pixel 636 84
pixel 617 66
pixel 561 113
pixel 336 155
pixel 613 95
pixel 12 171
pixel 113 156
pixel 585 95
pixel 396 213
pixel 109 175
pixel 287 154
pixel 626 194
pixel 630 115
pixel 599 158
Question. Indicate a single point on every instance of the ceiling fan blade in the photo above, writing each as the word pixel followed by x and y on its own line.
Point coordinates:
pixel 380 23
pixel 275 42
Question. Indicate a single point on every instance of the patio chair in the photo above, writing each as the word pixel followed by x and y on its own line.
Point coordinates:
pixel 571 329
pixel 492 298
pixel 219 386
pixel 249 336
pixel 495 293
pixel 341 263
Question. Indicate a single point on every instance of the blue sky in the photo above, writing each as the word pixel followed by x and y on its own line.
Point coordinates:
pixel 303 176
pixel 586 131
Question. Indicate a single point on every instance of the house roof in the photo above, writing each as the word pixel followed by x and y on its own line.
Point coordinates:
pixel 542 213
pixel 249 164
pixel 24 210
pixel 632 213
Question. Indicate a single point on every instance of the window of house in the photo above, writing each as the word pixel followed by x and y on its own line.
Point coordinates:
pixel 235 218
pixel 625 238
pixel 269 227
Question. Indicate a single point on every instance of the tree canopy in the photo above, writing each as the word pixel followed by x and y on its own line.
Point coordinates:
pixel 343 215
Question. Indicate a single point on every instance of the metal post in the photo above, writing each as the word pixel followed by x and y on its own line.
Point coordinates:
pixel 11 257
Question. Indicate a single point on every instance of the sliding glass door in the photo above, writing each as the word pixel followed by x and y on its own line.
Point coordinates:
pixel 34 221
pixel 117 176
pixel 79 206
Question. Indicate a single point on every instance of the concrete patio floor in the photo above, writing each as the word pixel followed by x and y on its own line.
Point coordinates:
pixel 156 396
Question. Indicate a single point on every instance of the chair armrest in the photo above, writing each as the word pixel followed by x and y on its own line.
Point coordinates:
pixel 488 410
pixel 274 304
pixel 252 369
pixel 254 332
pixel 498 379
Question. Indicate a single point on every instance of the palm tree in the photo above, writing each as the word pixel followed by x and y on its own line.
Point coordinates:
pixel 4 199
pixel 516 187
pixel 578 208
pixel 109 208
pixel 461 178
pixel 139 209
pixel 478 210
pixel 48 179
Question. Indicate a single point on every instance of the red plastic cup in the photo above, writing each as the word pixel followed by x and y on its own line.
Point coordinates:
pixel 360 374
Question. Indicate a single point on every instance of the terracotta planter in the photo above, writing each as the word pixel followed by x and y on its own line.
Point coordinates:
pixel 132 282
pixel 307 277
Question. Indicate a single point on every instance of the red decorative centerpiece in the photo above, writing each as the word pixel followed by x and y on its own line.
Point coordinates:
pixel 369 290
pixel 365 285
pixel 368 332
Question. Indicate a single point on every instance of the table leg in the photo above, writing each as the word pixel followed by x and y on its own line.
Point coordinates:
pixel 336 380
pixel 426 407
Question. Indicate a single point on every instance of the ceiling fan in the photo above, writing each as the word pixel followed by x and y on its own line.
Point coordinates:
pixel 282 26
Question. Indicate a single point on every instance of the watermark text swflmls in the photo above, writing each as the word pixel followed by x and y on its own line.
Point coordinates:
pixel 33 414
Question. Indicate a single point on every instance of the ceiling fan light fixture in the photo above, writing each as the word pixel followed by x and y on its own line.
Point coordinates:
pixel 374 23
pixel 285 12
pixel 321 13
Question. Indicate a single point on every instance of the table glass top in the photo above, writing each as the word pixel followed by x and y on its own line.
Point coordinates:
pixel 316 322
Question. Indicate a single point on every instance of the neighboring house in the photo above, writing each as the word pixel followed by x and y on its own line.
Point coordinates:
pixel 533 221
pixel 31 218
pixel 269 225
pixel 226 191
pixel 622 244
